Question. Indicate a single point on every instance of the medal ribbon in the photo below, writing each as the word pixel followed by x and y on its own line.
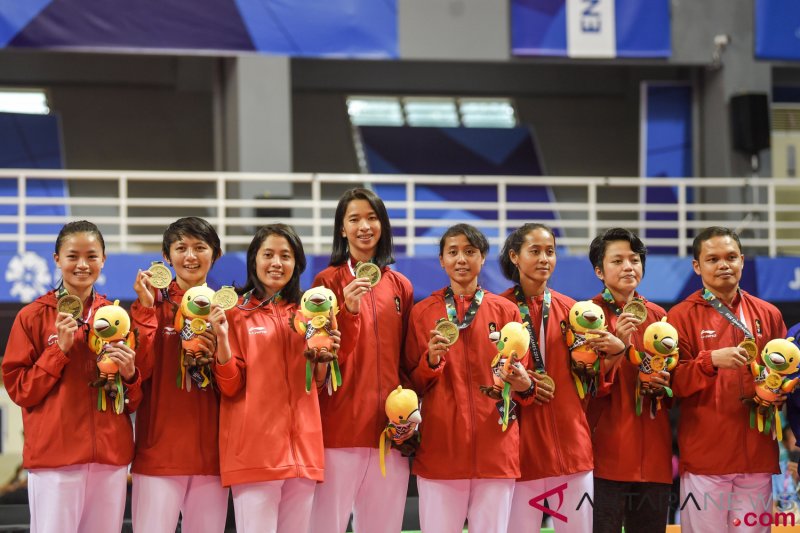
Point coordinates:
pixel 536 352
pixel 609 299
pixel 246 298
pixel 469 316
pixel 722 309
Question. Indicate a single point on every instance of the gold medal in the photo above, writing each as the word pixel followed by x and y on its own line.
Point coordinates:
pixel 637 309
pixel 197 325
pixel 71 305
pixel 448 330
pixel 774 381
pixel 226 297
pixel 544 378
pixel 370 271
pixel 319 321
pixel 657 363
pixel 162 276
pixel 751 348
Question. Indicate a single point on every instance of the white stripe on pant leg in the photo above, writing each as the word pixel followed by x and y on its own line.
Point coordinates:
pixel 704 491
pixel 156 503
pixel 443 504
pixel 577 508
pixel 56 498
pixel 104 506
pixel 380 502
pixel 490 504
pixel 294 511
pixel 524 518
pixel 256 506
pixel 333 499
pixel 205 505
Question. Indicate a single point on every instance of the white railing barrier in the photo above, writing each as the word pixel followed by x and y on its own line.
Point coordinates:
pixel 133 218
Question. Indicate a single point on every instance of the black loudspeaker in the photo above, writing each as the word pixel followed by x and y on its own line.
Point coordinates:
pixel 750 122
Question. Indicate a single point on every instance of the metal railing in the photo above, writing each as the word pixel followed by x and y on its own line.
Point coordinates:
pixel 132 211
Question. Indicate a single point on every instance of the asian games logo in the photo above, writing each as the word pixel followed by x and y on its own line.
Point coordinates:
pixel 28 275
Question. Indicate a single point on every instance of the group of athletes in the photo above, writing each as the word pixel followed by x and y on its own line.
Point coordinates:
pixel 298 461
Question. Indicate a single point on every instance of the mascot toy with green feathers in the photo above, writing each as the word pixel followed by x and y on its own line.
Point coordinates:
pixel 660 354
pixel 111 325
pixel 585 362
pixel 190 321
pixel 513 343
pixel 781 359
pixel 402 408
pixel 315 319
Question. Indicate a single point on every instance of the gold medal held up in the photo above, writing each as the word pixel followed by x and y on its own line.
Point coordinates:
pixel 71 305
pixel 544 378
pixel 225 297
pixel 751 348
pixel 448 330
pixel 197 325
pixel 371 271
pixel 774 381
pixel 637 309
pixel 161 275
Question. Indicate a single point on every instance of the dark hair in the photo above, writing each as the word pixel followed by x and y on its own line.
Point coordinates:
pixel 597 250
pixel 514 242
pixel 291 292
pixel 708 234
pixel 79 226
pixel 340 250
pixel 192 227
pixel 473 235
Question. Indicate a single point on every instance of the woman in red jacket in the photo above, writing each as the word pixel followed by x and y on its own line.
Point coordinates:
pixel 77 455
pixel 466 464
pixel 260 371
pixel 632 453
pixel 555 445
pixel 375 318
pixel 176 468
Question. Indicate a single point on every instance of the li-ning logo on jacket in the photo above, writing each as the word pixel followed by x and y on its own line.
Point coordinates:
pixel 707 333
pixel 257 330
pixel 52 339
pixel 168 330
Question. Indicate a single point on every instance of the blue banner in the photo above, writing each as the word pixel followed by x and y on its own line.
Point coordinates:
pixel 310 28
pixel 777 28
pixel 591 28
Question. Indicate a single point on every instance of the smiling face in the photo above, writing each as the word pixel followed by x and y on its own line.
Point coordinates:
pixel 274 263
pixel 362 229
pixel 81 260
pixel 461 260
pixel 536 258
pixel 719 264
pixel 622 268
pixel 192 259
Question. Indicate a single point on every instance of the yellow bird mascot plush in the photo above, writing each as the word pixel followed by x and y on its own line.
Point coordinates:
pixel 660 353
pixel 315 319
pixel 402 408
pixel 781 358
pixel 190 321
pixel 111 325
pixel 583 316
pixel 512 346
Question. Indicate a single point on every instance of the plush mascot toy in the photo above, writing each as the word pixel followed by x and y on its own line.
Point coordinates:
pixel 781 359
pixel 512 346
pixel 111 325
pixel 660 353
pixel 583 316
pixel 402 408
pixel 315 319
pixel 190 321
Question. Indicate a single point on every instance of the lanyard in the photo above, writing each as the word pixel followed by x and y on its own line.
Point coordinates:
pixel 536 350
pixel 469 316
pixel 246 298
pixel 609 299
pixel 722 309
